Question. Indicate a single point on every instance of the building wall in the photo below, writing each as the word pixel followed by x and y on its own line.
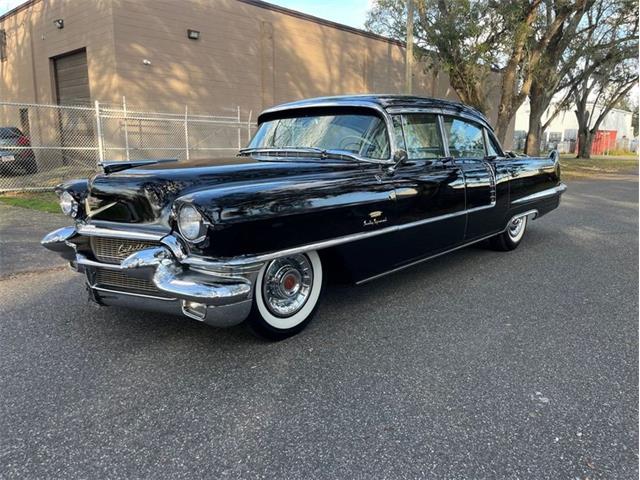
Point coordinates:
pixel 247 56
pixel 566 122
pixel 33 39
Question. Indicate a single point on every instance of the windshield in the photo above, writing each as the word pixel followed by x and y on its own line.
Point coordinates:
pixel 362 135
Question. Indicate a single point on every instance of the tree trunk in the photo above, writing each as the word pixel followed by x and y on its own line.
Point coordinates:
pixel 585 140
pixel 502 126
pixel 534 135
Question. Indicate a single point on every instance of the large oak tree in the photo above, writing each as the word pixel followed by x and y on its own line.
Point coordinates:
pixel 471 38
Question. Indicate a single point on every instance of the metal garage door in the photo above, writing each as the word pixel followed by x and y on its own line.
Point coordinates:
pixel 72 78
pixel 76 127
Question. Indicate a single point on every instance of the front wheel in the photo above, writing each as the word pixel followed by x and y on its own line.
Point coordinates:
pixel 512 236
pixel 286 296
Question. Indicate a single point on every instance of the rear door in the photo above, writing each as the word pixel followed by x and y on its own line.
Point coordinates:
pixel 429 189
pixel 486 180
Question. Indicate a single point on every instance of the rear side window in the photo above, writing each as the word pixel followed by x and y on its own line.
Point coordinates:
pixel 422 136
pixel 465 138
pixel 493 150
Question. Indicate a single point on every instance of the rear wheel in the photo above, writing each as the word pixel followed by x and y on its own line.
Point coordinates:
pixel 287 293
pixel 512 236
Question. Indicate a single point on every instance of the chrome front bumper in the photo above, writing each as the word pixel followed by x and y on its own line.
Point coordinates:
pixel 216 296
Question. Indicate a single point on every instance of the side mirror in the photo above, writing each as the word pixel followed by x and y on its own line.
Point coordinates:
pixel 399 158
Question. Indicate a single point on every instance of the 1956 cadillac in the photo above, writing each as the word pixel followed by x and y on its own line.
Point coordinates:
pixel 355 186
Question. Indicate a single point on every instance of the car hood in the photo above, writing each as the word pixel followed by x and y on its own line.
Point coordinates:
pixel 146 194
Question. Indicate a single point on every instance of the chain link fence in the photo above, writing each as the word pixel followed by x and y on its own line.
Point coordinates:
pixel 43 145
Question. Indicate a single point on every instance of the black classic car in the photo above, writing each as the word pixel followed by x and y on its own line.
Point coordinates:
pixel 16 154
pixel 353 186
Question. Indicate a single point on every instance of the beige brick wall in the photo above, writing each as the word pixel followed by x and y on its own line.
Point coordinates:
pixel 32 40
pixel 247 56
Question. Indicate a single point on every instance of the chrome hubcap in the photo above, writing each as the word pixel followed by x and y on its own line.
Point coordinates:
pixel 516 227
pixel 287 284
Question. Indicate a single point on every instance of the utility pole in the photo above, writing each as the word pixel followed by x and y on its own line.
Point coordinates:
pixel 408 64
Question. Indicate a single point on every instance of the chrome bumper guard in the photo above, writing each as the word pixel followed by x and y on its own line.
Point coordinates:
pixel 214 296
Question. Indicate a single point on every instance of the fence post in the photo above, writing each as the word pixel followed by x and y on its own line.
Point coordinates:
pixel 99 132
pixel 249 126
pixel 126 129
pixel 186 130
pixel 239 130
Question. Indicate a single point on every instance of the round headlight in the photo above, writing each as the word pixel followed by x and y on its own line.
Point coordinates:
pixel 190 223
pixel 68 204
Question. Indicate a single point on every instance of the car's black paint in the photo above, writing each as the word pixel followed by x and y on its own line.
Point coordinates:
pixel 270 204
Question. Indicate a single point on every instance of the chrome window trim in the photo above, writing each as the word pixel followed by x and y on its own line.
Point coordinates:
pixel 488 137
pixel 482 126
pixel 549 192
pixel 439 126
pixel 443 136
pixel 440 111
pixel 386 117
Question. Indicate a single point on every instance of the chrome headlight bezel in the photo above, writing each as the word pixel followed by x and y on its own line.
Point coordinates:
pixel 191 224
pixel 68 204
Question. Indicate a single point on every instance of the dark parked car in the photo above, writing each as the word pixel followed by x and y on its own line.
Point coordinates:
pixel 357 186
pixel 16 155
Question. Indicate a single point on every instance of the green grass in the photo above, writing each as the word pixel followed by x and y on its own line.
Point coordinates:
pixel 598 165
pixel 42 201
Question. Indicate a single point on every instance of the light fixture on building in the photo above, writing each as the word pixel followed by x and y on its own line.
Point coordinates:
pixel 193 34
pixel 59 23
pixel 146 61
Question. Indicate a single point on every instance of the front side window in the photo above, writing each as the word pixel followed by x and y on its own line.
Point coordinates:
pixel 465 138
pixel 360 134
pixel 422 136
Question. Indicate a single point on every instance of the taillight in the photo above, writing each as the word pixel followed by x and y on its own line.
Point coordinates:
pixel 23 141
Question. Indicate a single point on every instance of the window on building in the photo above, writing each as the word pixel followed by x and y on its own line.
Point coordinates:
pixel 555 136
pixel 3 45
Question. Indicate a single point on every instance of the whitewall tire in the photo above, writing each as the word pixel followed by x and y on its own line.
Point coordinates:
pixel 512 236
pixel 286 295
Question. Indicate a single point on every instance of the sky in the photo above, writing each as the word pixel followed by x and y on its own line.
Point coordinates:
pixel 349 12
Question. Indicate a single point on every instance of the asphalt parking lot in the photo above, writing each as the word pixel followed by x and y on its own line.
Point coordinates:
pixel 478 364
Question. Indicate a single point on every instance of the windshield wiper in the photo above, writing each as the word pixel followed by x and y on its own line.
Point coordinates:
pixel 324 153
pixel 249 151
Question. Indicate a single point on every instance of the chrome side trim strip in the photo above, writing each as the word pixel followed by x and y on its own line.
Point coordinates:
pixel 259 259
pixel 93 231
pixel 549 192
pixel 416 262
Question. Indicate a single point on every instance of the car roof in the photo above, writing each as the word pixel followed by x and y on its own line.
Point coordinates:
pixel 387 102
pixel 9 132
